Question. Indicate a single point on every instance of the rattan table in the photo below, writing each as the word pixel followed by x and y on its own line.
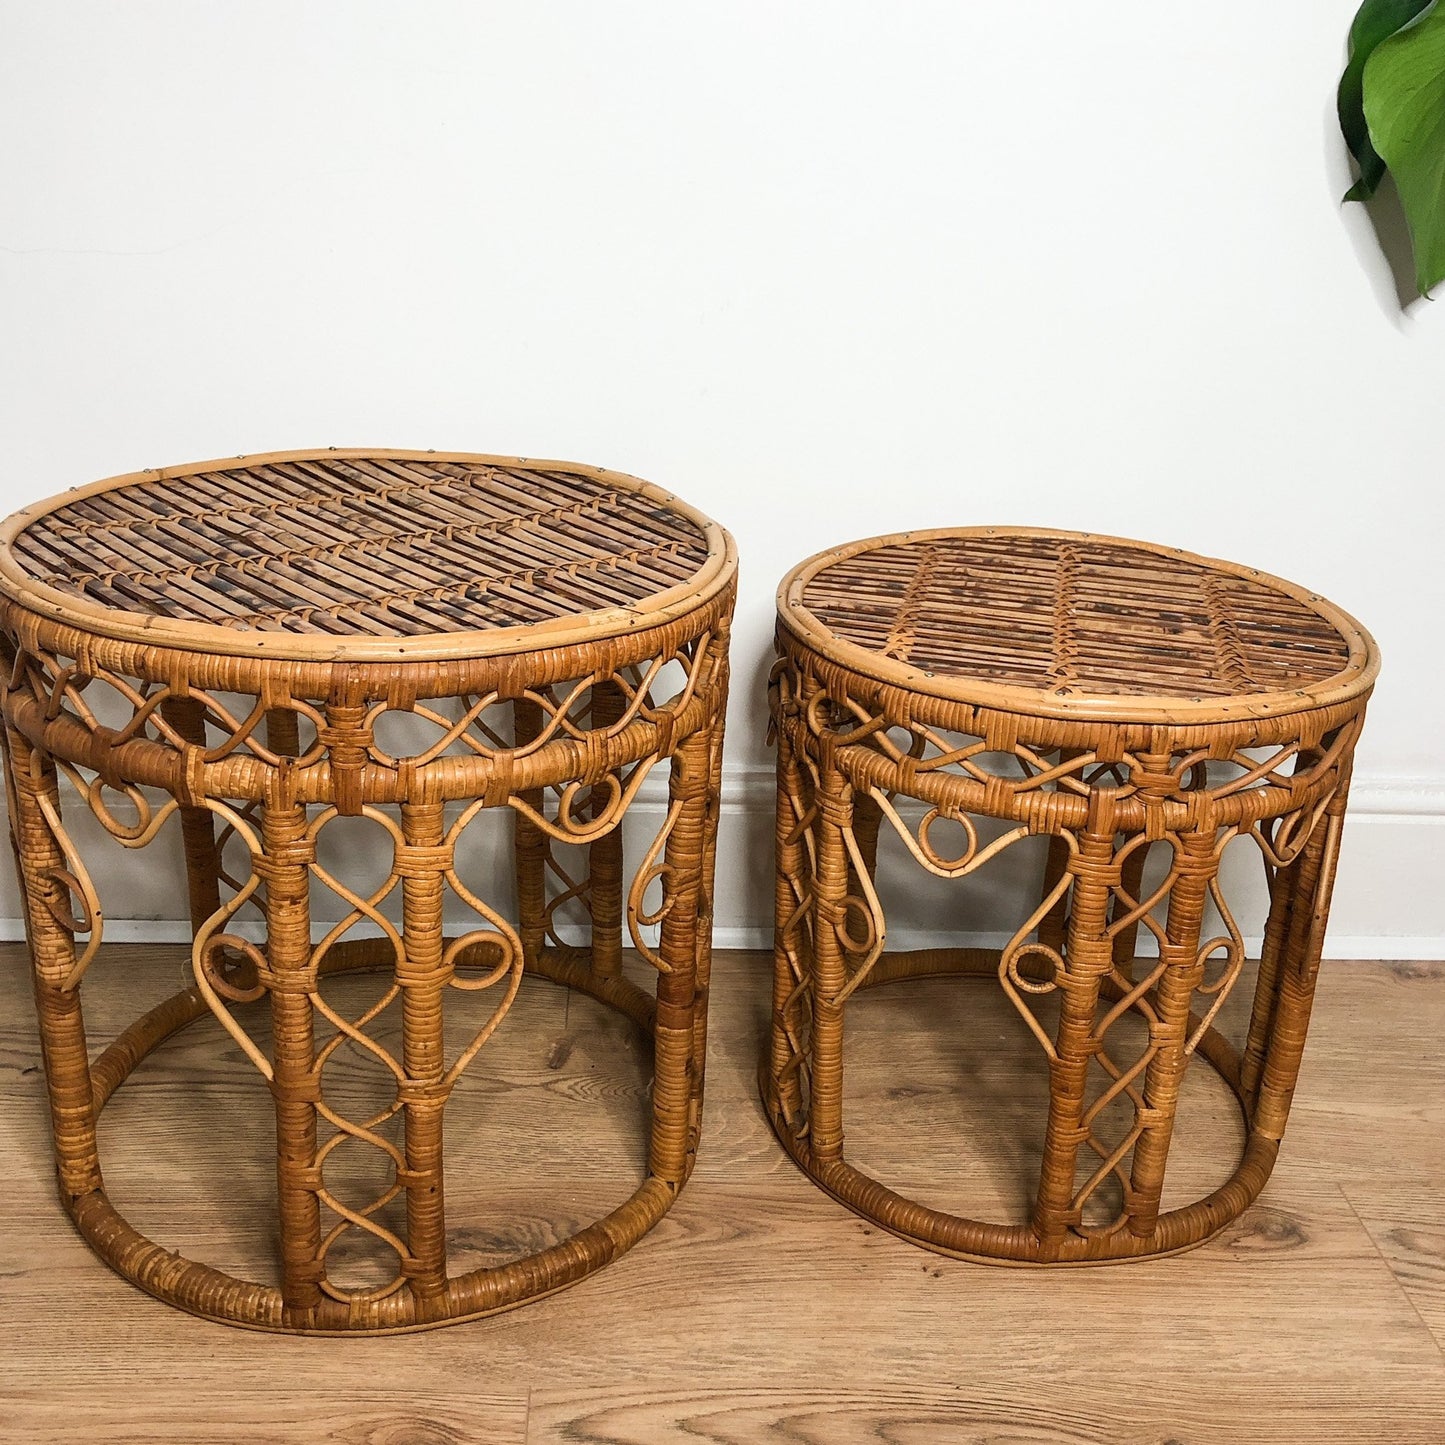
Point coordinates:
pixel 229 645
pixel 1122 700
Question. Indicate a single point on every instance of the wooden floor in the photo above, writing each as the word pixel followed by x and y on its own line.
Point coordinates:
pixel 759 1309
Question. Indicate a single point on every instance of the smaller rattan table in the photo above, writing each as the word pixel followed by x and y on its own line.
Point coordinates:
pixel 1122 700
pixel 259 647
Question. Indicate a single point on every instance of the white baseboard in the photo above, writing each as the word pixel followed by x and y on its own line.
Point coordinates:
pixel 1341 946
pixel 1389 902
pixel 756 938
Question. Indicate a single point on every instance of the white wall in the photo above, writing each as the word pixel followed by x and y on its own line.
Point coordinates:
pixel 824 269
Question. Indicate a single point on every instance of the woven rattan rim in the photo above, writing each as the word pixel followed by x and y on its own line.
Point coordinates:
pixel 1353 680
pixel 581 627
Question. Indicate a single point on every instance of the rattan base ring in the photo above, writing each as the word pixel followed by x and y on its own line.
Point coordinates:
pixel 211 1294
pixel 937 1230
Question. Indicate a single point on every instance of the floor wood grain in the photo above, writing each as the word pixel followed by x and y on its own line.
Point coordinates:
pixel 758 1309
pixel 1057 1411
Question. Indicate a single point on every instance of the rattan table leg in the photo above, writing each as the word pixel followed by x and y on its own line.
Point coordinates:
pixel 31 788
pixel 792 1025
pixel 604 857
pixel 284 865
pixel 529 844
pixel 1196 864
pixel 198 825
pixel 1053 926
pixel 834 803
pixel 1088 956
pixel 283 731
pixel 1298 969
pixel 675 1098
pixel 422 862
pixel 707 883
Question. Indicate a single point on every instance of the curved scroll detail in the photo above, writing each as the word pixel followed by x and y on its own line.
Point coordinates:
pixel 868 909
pixel 1219 988
pixel 1020 947
pixel 566 826
pixel 498 938
pixel 649 871
pixel 920 846
pixel 74 880
pixel 212 937
pixel 74 883
pixel 1283 839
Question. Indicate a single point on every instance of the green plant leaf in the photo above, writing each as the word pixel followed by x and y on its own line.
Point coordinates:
pixel 1374 23
pixel 1405 110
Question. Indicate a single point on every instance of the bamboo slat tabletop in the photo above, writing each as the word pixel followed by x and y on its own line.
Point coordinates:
pixel 1067 623
pixel 309 553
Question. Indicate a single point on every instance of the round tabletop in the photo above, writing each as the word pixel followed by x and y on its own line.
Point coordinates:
pixel 364 555
pixel 1072 624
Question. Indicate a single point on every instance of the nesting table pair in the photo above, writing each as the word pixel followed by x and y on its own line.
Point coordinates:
pixel 261 647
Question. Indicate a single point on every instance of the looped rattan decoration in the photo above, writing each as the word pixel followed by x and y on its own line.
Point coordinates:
pixel 229 645
pixel 1118 699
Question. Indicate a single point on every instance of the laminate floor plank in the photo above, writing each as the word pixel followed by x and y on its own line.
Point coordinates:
pixel 1025 1410
pixel 1406 1221
pixel 213 1411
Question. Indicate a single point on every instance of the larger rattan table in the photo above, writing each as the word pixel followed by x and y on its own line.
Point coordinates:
pixel 230 645
pixel 1140 709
